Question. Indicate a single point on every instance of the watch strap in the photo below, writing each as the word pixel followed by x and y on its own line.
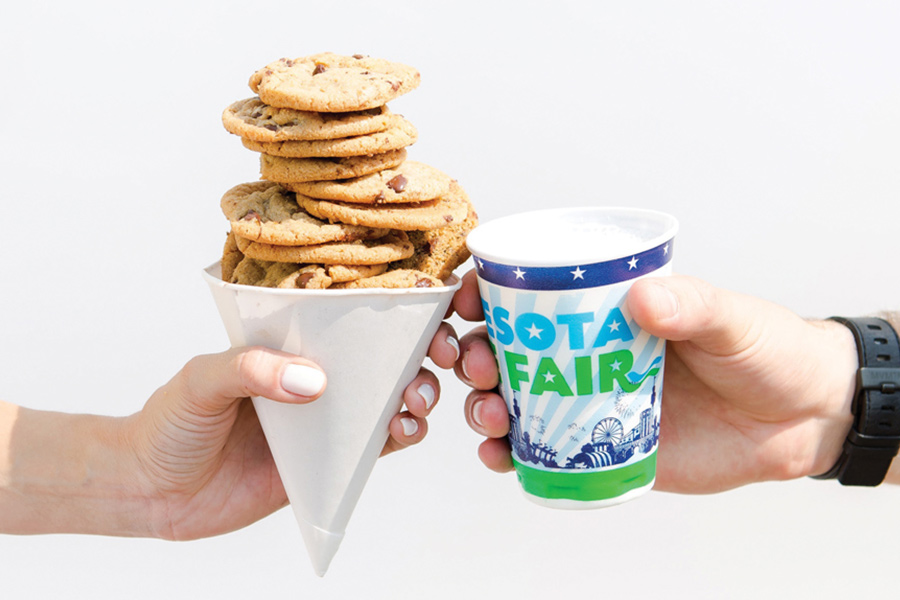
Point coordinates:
pixel 874 437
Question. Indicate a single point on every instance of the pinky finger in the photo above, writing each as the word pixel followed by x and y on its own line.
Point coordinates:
pixel 405 430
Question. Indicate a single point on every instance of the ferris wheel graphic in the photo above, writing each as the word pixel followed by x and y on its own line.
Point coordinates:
pixel 608 431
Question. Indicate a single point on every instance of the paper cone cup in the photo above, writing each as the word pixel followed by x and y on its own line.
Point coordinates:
pixel 371 344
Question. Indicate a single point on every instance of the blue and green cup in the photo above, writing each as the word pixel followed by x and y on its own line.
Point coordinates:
pixel 582 382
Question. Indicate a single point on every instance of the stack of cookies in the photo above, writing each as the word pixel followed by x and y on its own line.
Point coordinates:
pixel 339 205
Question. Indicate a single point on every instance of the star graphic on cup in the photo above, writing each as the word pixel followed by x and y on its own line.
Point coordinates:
pixel 632 264
pixel 534 331
pixel 578 273
pixel 520 274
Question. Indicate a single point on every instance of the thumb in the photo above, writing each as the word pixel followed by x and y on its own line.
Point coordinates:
pixel 214 381
pixel 680 308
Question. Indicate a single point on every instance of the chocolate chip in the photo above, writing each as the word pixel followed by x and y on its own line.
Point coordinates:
pixel 251 216
pixel 398 183
pixel 395 85
pixel 423 282
pixel 270 127
pixel 358 56
pixel 448 218
pixel 304 279
pixel 379 197
pixel 320 68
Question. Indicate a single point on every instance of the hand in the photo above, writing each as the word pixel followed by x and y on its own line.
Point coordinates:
pixel 202 458
pixel 751 391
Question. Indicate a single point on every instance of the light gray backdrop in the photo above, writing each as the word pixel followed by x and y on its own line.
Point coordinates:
pixel 770 129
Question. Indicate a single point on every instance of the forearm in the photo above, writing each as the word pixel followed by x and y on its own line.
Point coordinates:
pixel 64 473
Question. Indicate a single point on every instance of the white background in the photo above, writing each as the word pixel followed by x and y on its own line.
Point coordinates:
pixel 770 129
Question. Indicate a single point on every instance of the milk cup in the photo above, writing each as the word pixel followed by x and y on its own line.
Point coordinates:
pixel 582 382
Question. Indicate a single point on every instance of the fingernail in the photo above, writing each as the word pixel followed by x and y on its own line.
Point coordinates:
pixel 666 302
pixel 302 380
pixel 476 413
pixel 453 343
pixel 427 392
pixel 410 426
pixel 463 366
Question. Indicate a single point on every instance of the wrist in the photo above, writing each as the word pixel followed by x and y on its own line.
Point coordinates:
pixel 835 416
pixel 68 473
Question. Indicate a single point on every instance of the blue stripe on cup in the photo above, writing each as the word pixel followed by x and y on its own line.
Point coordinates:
pixel 575 276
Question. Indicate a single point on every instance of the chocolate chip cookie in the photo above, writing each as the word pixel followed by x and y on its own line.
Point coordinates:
pixel 264 211
pixel 411 181
pixel 400 135
pixel 392 247
pixel 255 120
pixel 442 212
pixel 439 251
pixel 329 82
pixel 285 170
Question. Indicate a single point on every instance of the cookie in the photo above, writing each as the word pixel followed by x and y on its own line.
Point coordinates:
pixel 400 278
pixel 280 275
pixel 394 246
pixel 412 181
pixel 231 257
pixel 265 212
pixel 344 273
pixel 399 135
pixel 252 119
pixel 439 251
pixel 442 212
pixel 284 170
pixel 329 82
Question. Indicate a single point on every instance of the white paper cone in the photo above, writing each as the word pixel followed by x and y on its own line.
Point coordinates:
pixel 370 343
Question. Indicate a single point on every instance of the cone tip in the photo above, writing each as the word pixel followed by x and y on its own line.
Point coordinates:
pixel 321 545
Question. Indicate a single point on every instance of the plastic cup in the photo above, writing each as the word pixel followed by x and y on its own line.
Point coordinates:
pixel 371 344
pixel 582 382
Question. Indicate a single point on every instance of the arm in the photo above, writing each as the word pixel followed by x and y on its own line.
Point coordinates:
pixel 66 473
pixel 192 463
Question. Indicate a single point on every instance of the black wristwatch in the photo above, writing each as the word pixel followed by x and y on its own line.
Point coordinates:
pixel 874 437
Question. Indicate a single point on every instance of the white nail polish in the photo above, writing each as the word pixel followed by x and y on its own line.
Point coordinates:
pixel 462 366
pixel 410 426
pixel 476 413
pixel 302 380
pixel 454 343
pixel 427 393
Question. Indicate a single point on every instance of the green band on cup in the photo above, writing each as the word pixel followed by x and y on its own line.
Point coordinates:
pixel 586 486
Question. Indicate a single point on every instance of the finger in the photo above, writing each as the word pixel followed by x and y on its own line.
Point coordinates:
pixel 422 393
pixel 495 455
pixel 405 430
pixel 477 366
pixel 487 414
pixel 444 348
pixel 214 381
pixel 466 301
pixel 682 308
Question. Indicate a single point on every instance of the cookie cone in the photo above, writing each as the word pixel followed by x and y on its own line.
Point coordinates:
pixel 370 343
